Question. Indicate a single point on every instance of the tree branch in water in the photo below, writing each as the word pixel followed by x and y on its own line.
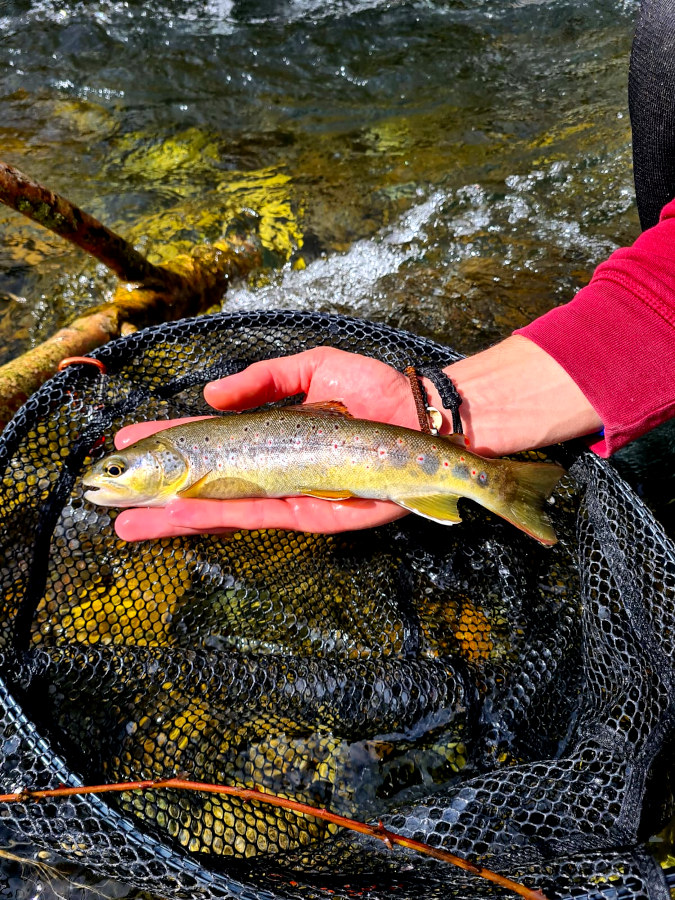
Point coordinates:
pixel 151 294
pixel 20 192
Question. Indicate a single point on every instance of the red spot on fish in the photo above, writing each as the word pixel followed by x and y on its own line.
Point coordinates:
pixel 320 431
pixel 399 441
pixel 473 471
pixel 335 446
pixel 446 464
pixel 461 459
pixel 420 459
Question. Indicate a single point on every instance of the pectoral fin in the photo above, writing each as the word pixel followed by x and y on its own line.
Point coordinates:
pixel 214 486
pixel 327 495
pixel 437 507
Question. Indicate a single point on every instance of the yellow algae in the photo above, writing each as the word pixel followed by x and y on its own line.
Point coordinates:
pixel 270 193
pixel 178 160
pixel 558 134
pixel 84 117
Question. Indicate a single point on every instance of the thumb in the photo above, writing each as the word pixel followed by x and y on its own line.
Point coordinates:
pixel 262 382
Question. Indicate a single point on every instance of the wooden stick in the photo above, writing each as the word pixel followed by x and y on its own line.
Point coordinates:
pixel 254 794
pixel 187 285
pixel 205 276
pixel 20 192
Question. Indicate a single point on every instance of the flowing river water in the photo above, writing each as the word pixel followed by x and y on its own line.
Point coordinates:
pixel 452 168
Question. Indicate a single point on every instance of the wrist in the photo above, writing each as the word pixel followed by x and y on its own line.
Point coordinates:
pixel 515 397
pixel 436 403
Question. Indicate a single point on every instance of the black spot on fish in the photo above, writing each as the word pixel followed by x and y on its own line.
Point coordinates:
pixel 430 464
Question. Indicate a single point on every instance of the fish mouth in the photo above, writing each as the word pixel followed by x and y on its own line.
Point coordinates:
pixel 102 495
pixel 116 495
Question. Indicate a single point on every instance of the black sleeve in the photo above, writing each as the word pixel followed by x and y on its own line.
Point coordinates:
pixel 651 98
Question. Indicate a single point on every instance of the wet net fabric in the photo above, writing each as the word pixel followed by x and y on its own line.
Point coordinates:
pixel 467 687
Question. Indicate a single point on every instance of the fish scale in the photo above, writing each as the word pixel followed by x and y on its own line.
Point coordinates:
pixel 319 450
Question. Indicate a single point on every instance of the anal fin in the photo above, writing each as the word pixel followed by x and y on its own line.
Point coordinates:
pixel 437 507
pixel 326 495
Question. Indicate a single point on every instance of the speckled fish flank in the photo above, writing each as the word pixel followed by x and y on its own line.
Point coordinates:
pixel 318 450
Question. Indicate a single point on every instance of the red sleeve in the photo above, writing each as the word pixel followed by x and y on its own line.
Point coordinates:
pixel 616 338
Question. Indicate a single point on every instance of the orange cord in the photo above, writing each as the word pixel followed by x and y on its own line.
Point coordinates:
pixel 72 360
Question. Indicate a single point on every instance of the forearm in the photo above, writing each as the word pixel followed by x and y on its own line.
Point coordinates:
pixel 515 397
pixel 606 359
pixel 616 338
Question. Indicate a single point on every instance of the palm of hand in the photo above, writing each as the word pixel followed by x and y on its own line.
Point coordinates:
pixel 370 389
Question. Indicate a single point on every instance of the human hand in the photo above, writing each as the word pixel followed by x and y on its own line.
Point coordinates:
pixel 517 397
pixel 369 389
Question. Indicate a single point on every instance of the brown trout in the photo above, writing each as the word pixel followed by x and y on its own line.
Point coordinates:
pixel 319 450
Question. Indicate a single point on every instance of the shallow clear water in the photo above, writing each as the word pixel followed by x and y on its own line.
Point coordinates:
pixel 453 168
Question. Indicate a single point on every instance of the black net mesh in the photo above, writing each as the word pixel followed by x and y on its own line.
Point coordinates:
pixel 466 686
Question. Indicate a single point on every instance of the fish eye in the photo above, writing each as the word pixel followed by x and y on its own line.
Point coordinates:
pixel 115 468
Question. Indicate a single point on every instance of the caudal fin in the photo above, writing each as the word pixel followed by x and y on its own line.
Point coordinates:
pixel 534 483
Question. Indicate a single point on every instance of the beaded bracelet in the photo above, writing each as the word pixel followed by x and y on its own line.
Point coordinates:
pixel 429 417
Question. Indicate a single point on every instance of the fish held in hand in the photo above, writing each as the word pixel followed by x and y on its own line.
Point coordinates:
pixel 319 450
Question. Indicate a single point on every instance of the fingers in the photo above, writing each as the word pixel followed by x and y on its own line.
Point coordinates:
pixel 292 514
pixel 147 524
pixel 289 513
pixel 132 433
pixel 263 382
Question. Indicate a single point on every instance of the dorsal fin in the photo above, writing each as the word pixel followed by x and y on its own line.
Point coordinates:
pixel 322 408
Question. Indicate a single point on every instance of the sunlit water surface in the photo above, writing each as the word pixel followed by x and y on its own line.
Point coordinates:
pixel 452 168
